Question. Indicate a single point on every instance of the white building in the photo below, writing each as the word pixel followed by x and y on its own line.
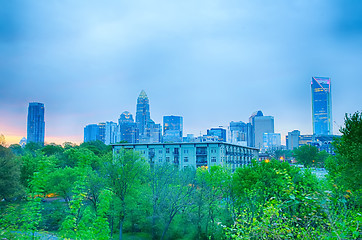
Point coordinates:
pixel 193 154
pixel 272 141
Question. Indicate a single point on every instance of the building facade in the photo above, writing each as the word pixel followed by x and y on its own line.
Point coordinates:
pixel 193 154
pixel 142 112
pixel 220 133
pixel 261 125
pixel 111 133
pixel 251 128
pixel 91 133
pixel 127 128
pixel 321 106
pixel 172 128
pixel 36 123
pixel 238 133
pixel 292 140
pixel 271 141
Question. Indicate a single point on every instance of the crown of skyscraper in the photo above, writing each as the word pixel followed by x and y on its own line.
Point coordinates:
pixel 143 95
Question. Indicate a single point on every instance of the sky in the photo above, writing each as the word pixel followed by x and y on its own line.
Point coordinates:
pixel 211 61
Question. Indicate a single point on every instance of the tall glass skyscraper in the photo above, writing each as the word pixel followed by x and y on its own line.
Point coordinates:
pixel 127 128
pixel 143 112
pixel 172 128
pixel 321 106
pixel 36 123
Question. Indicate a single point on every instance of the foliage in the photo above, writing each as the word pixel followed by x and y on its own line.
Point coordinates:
pixel 97 147
pixel 16 149
pixel 345 169
pixel 10 187
pixel 123 196
pixel 309 156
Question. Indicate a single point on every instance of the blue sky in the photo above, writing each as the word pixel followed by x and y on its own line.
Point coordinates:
pixel 210 61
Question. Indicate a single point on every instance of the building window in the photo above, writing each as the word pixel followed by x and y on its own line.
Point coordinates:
pixel 167 159
pixel 213 159
pixel 160 160
pixel 186 151
pixel 167 150
pixel 160 151
pixel 186 159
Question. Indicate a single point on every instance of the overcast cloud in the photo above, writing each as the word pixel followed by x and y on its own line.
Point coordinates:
pixel 210 61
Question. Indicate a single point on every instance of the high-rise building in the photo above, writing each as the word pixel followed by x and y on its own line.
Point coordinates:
pixel 321 106
pixel 272 141
pixel 251 128
pixel 91 133
pixel 292 140
pixel 172 128
pixel 143 112
pixel 36 123
pixel 101 132
pixel 111 133
pixel 152 133
pixel 262 124
pixel 128 131
pixel 95 132
pixel 238 133
pixel 218 132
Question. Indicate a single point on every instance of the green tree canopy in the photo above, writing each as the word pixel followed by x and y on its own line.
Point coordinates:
pixel 346 168
pixel 10 186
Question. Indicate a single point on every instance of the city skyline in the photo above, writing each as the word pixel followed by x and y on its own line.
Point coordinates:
pixel 211 63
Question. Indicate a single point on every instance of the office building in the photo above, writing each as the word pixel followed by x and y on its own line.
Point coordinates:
pixel 220 133
pixel 101 132
pixel 110 133
pixel 251 128
pixel 271 141
pixel 91 133
pixel 260 124
pixel 238 133
pixel 152 133
pixel 128 131
pixel 194 155
pixel 142 112
pixel 36 123
pixel 321 106
pixel 172 128
pixel 292 140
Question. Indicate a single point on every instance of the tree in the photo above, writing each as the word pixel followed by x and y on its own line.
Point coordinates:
pixel 16 149
pixel 97 147
pixel 125 172
pixel 2 140
pixel 10 186
pixel 307 155
pixel 346 168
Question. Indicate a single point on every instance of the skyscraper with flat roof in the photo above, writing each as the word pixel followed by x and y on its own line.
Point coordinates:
pixel 36 123
pixel 172 128
pixel 321 106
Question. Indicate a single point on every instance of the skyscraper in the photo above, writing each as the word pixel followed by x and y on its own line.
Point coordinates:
pixel 292 140
pixel 172 128
pixel 321 106
pixel 127 128
pixel 238 133
pixel 262 124
pixel 143 112
pixel 111 133
pixel 90 133
pixel 251 128
pixel 95 132
pixel 36 123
